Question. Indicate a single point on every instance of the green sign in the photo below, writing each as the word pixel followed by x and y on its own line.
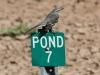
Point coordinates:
pixel 48 49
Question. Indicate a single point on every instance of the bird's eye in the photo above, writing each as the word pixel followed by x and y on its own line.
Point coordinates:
pixel 58 10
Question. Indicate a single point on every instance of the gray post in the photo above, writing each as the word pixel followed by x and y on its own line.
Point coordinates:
pixel 43 71
pixel 49 70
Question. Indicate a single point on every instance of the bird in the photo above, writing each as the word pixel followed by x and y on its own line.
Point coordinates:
pixel 49 21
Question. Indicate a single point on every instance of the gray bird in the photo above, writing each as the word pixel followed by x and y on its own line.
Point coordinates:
pixel 49 21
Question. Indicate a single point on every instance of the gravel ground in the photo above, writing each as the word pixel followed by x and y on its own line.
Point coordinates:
pixel 80 21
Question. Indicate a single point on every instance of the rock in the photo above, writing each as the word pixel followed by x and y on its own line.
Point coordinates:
pixel 7 38
pixel 75 36
pixel 68 36
pixel 22 37
pixel 97 55
pixel 78 24
pixel 81 31
pixel 94 49
pixel 84 53
pixel 3 47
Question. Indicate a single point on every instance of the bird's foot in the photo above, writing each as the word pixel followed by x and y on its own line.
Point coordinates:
pixel 54 31
pixel 47 30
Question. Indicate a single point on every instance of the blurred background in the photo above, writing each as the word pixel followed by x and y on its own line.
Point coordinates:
pixel 80 21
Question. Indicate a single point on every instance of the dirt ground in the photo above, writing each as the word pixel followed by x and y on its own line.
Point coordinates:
pixel 80 21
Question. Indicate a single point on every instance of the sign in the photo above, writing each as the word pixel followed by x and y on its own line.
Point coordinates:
pixel 48 49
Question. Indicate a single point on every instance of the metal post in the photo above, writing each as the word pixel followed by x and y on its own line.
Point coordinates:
pixel 56 70
pixel 49 70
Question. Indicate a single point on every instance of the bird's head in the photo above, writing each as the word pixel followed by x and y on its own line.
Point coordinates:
pixel 57 9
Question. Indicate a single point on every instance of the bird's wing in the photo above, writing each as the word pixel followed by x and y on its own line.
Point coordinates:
pixel 54 18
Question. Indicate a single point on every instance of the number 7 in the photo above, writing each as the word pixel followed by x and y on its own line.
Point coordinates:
pixel 50 52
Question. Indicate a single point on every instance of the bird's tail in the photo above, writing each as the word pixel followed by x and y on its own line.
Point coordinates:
pixel 31 29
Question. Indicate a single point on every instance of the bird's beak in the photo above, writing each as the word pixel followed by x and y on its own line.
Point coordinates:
pixel 61 8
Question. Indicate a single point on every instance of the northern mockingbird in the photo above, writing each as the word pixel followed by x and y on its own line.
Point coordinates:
pixel 49 21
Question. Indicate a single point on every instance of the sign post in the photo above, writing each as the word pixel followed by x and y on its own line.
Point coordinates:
pixel 48 51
